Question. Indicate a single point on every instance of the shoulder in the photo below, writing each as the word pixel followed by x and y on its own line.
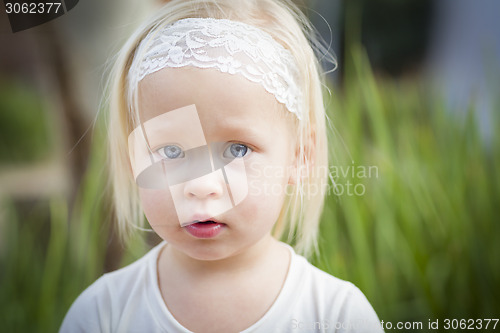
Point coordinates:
pixel 321 284
pixel 98 308
pixel 338 304
pixel 89 311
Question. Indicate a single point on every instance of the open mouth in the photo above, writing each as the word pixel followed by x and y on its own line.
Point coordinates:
pixel 201 222
pixel 204 229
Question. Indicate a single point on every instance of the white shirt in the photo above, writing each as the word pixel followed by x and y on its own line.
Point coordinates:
pixel 129 300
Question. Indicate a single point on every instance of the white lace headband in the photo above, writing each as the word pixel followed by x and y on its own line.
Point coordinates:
pixel 229 46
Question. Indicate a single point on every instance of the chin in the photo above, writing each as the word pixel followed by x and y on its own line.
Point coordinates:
pixel 207 252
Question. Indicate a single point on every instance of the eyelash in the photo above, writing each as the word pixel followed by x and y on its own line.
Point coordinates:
pixel 247 149
pixel 163 154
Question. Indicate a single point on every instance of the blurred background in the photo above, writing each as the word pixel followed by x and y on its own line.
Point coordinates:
pixel 414 99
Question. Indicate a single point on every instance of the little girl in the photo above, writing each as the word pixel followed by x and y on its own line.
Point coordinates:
pixel 217 134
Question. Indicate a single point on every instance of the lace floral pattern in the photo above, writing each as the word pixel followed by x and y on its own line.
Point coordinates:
pixel 229 46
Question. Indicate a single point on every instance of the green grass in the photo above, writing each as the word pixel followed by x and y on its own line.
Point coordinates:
pixel 49 255
pixel 420 241
pixel 24 134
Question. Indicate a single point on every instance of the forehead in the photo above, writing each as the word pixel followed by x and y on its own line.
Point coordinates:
pixel 219 97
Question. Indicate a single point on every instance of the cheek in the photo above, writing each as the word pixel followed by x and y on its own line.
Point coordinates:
pixel 267 185
pixel 268 178
pixel 158 207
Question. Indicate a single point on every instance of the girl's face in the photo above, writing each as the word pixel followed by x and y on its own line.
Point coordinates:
pixel 227 153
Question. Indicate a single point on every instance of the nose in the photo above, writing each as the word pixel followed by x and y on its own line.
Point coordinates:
pixel 210 186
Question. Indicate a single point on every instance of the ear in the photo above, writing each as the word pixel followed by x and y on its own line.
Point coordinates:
pixel 303 158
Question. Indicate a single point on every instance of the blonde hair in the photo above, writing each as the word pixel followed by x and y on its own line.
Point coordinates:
pixel 298 222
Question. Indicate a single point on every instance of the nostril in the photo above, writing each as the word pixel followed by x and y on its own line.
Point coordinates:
pixel 205 187
pixel 202 195
pixel 202 192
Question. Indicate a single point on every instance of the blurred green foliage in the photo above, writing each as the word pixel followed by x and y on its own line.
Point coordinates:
pixel 49 254
pixel 419 241
pixel 24 131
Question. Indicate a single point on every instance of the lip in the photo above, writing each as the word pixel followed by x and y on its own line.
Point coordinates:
pixel 199 229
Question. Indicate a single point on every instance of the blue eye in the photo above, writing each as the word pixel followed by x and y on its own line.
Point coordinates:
pixel 171 152
pixel 236 150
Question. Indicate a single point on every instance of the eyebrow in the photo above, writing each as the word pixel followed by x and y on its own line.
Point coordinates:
pixel 169 134
pixel 235 128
